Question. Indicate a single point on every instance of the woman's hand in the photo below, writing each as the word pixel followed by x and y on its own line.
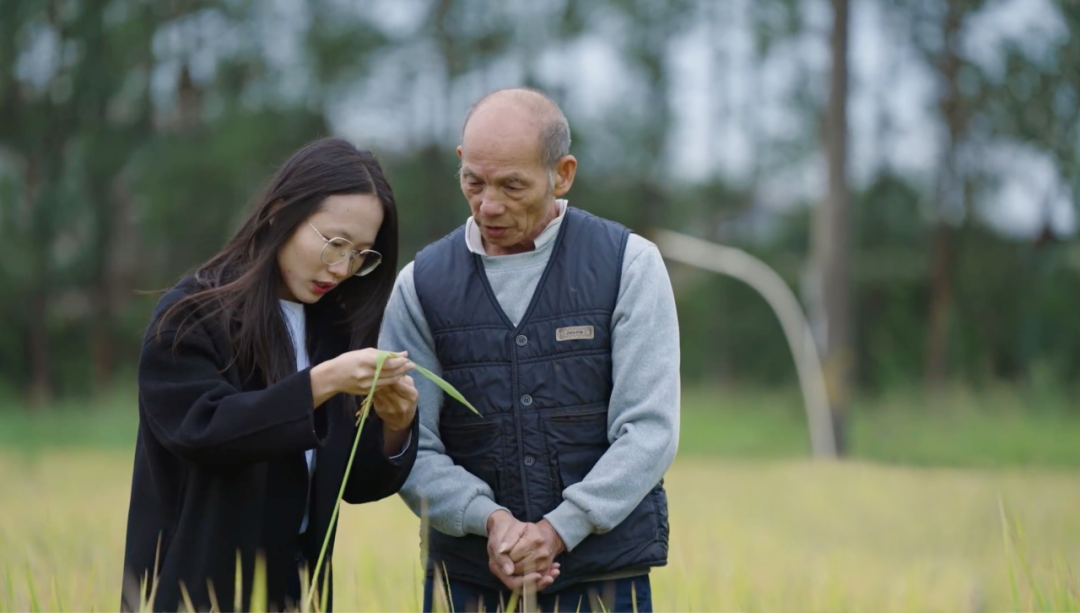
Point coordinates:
pixel 396 406
pixel 353 372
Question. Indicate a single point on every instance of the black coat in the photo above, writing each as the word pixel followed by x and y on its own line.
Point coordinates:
pixel 220 470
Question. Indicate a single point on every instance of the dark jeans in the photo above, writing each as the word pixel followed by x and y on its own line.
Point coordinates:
pixel 611 596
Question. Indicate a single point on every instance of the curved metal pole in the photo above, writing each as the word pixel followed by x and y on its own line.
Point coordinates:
pixel 758 275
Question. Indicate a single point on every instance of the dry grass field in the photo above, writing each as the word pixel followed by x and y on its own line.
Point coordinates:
pixel 746 536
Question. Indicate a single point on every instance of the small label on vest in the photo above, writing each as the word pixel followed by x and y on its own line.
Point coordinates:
pixel 574 333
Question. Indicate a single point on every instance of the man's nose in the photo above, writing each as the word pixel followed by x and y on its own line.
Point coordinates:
pixel 490 206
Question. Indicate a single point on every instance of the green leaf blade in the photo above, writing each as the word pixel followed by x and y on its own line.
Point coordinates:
pixel 446 387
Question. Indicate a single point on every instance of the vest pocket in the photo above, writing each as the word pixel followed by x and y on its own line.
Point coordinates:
pixel 474 447
pixel 576 441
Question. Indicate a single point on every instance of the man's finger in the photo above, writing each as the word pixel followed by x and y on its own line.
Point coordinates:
pixel 502 539
pixel 507 580
pixel 513 582
pixel 510 540
pixel 528 546
pixel 512 537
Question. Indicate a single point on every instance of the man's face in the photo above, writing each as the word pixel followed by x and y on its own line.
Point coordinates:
pixel 510 193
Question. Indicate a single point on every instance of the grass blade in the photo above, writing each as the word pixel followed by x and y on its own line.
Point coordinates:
pixel 214 606
pixel 187 597
pixel 258 586
pixel 57 605
pixel 324 597
pixel 33 593
pixel 10 588
pixel 512 605
pixel 1014 591
pixel 238 586
pixel 1040 597
pixel 449 593
pixel 446 387
pixel 364 410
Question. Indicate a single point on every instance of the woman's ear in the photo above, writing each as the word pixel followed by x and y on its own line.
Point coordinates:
pixel 275 206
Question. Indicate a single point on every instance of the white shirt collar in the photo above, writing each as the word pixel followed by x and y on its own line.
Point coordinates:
pixel 476 243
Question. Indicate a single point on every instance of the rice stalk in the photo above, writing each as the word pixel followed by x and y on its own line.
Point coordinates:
pixel 1014 590
pixel 512 604
pixel 57 605
pixel 33 593
pixel 449 594
pixel 190 606
pixel 258 586
pixel 215 607
pixel 324 598
pixel 10 589
pixel 238 585
pixel 446 387
pixel 365 408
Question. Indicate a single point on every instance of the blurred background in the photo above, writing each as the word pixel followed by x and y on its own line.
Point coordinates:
pixel 909 168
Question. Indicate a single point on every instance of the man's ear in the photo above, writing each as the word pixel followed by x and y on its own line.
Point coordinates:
pixel 565 169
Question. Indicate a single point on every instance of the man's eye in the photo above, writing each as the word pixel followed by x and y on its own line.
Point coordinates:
pixel 338 243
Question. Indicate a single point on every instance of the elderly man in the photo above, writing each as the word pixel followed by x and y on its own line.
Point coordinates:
pixel 560 327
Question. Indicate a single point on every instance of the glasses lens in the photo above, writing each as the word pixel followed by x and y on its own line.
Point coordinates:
pixel 367 262
pixel 335 251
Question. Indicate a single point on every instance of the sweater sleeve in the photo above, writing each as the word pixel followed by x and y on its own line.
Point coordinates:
pixel 199 416
pixel 457 502
pixel 643 414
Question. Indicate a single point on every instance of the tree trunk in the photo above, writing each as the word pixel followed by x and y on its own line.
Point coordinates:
pixel 941 288
pixel 101 292
pixel 37 329
pixel 37 348
pixel 830 240
pixel 952 189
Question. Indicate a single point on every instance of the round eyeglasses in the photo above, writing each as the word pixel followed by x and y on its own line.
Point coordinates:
pixel 337 250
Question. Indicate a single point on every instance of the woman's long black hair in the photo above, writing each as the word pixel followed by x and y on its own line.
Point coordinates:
pixel 238 287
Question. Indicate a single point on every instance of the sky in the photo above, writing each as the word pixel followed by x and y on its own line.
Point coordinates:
pixel 722 100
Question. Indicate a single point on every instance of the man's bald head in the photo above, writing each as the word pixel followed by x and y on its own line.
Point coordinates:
pixel 553 131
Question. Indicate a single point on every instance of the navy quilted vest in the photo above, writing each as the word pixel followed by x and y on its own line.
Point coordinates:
pixel 543 389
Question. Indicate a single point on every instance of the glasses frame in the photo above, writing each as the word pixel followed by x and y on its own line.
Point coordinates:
pixel 362 255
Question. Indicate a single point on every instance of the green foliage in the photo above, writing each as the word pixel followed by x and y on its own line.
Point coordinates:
pixel 131 162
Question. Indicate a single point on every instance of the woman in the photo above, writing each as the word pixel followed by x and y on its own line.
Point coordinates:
pixel 247 392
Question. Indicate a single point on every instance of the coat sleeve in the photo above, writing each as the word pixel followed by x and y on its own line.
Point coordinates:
pixel 374 475
pixel 199 416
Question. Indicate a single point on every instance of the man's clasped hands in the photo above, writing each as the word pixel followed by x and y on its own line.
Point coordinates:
pixel 521 553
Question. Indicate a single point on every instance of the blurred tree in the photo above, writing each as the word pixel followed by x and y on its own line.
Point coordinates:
pixel 830 249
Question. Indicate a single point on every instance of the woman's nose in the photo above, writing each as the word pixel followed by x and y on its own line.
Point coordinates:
pixel 341 269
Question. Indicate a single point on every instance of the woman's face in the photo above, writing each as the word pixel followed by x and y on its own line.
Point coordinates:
pixel 306 277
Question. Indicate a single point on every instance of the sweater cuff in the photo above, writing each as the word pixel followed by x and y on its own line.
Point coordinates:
pixel 477 513
pixel 571 523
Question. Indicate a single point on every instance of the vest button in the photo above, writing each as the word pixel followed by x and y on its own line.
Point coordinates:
pixel 529 460
pixel 526 400
pixel 521 340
